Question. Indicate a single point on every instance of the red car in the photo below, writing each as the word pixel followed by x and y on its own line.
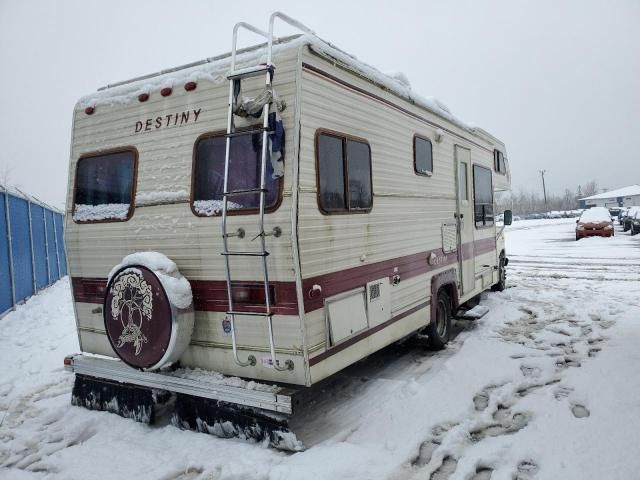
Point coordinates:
pixel 593 222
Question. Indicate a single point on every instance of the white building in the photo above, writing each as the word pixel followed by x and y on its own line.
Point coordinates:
pixel 621 197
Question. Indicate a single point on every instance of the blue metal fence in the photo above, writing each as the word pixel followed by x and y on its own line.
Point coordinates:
pixel 31 248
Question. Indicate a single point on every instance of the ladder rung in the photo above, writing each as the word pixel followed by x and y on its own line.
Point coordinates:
pixel 250 71
pixel 252 131
pixel 242 192
pixel 246 254
pixel 253 314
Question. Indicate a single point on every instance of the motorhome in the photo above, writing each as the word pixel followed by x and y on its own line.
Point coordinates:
pixel 246 226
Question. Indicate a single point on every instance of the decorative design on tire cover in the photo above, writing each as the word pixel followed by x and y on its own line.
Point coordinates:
pixel 138 317
pixel 131 299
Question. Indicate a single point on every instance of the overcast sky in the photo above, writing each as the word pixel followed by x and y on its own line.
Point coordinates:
pixel 557 81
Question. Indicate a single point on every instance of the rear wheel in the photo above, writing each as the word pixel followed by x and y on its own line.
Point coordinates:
pixel 502 275
pixel 439 329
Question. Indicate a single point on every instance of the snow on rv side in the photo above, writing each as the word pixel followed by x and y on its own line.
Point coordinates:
pixel 216 68
pixel 103 211
pixel 209 208
pixel 155 198
pixel 177 287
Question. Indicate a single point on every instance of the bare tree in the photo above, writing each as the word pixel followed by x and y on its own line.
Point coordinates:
pixel 590 188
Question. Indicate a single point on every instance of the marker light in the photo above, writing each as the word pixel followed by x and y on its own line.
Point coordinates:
pixel 143 97
pixel 165 92
pixel 190 86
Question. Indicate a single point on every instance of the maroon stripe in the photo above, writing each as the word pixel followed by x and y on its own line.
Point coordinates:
pixel 484 245
pixel 208 295
pixel 211 295
pixel 347 343
pixel 337 282
pixel 88 290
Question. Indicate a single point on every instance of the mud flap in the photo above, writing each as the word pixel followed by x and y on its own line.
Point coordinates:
pixel 126 400
pixel 227 420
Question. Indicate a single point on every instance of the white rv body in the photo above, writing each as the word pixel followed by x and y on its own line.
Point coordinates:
pixel 345 285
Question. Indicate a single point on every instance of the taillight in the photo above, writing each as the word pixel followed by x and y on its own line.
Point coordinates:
pixel 251 294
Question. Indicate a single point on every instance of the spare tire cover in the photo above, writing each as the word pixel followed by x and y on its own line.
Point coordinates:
pixel 139 318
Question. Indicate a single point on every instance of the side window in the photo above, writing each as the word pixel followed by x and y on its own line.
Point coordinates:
pixel 499 164
pixel 422 156
pixel 463 181
pixel 344 173
pixel 104 187
pixel 482 196
pixel 244 174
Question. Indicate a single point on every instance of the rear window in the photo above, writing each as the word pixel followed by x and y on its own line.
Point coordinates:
pixel 104 187
pixel 244 174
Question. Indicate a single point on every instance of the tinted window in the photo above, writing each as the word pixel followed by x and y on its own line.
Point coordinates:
pixel 482 196
pixel 104 187
pixel 344 174
pixel 244 173
pixel 422 156
pixel 359 162
pixel 331 173
pixel 498 162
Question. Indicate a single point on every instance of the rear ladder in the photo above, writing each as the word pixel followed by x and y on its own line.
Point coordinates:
pixel 235 78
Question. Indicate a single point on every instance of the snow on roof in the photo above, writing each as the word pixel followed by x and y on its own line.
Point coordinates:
pixel 629 191
pixel 215 70
pixel 595 215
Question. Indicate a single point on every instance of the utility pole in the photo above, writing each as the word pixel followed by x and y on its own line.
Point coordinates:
pixel 544 189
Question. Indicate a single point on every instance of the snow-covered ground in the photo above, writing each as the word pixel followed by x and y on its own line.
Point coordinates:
pixel 545 386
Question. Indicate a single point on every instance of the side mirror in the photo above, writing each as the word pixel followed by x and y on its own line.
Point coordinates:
pixel 508 217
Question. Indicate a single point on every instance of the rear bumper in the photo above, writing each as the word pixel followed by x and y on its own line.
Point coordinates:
pixel 278 400
pixel 594 233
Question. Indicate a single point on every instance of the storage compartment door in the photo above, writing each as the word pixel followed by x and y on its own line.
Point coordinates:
pixel 378 302
pixel 346 315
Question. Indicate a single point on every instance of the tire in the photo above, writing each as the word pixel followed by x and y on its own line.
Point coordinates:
pixel 625 227
pixel 502 275
pixel 439 328
pixel 633 230
pixel 577 237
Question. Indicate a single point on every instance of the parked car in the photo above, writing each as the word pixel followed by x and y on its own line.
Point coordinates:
pixel 635 221
pixel 614 211
pixel 622 213
pixel 628 218
pixel 594 222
